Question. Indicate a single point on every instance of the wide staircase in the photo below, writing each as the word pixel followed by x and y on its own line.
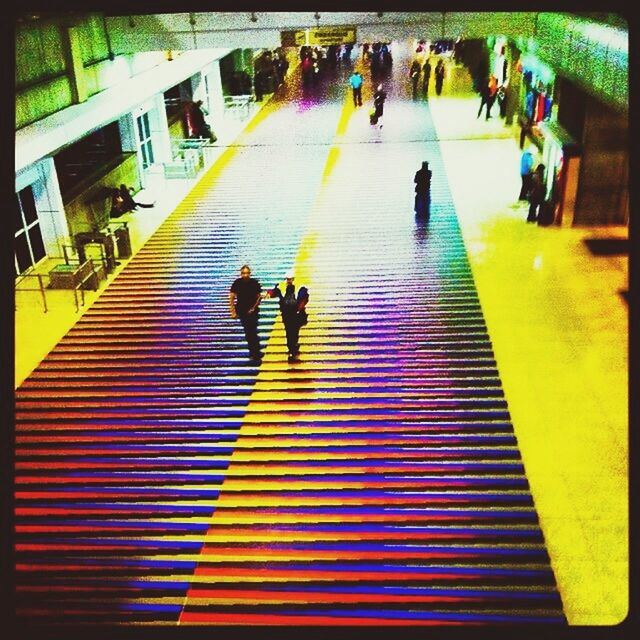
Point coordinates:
pixel 160 478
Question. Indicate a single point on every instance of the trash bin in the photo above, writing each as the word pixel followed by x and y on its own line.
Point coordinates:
pixel 123 242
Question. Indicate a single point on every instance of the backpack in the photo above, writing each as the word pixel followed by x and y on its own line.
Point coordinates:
pixel 290 302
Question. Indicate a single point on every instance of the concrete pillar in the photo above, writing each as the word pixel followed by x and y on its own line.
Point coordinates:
pixel 128 139
pixel 75 65
pixel 159 125
pixel 603 189
pixel 513 88
pixel 43 179
pixel 215 95
pixel 197 87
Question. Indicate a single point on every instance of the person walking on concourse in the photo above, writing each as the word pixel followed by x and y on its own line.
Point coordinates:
pixel 422 180
pixel 356 86
pixel 293 314
pixel 379 97
pixel 244 303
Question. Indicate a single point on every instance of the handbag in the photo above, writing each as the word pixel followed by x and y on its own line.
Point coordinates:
pixel 303 317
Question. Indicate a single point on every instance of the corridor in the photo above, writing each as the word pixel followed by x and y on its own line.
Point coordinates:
pixel 162 478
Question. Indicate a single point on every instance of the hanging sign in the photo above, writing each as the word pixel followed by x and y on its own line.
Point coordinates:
pixel 321 36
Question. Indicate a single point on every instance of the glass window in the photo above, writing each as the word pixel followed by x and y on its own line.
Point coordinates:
pixel 29 246
pixel 23 255
pixel 150 152
pixel 37 245
pixel 145 122
pixel 144 136
pixel 18 215
pixel 28 205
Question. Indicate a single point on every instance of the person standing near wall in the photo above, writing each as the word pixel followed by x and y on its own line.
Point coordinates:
pixel 526 166
pixel 537 192
pixel 244 303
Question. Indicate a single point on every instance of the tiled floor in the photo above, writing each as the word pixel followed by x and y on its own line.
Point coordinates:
pixel 559 331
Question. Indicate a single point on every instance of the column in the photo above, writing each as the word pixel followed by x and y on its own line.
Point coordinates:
pixel 43 179
pixel 75 65
pixel 159 125
pixel 215 95
pixel 129 140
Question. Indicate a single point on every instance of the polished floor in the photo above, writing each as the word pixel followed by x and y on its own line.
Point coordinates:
pixel 409 470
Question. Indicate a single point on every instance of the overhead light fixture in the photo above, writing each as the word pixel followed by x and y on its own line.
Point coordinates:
pixel 379 14
pixel 316 15
pixel 253 17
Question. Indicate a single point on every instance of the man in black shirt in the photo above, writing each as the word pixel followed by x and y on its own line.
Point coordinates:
pixel 244 302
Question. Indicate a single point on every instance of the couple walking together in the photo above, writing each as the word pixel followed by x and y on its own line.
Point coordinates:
pixel 245 296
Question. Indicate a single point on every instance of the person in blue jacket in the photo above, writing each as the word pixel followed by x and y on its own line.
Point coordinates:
pixel 526 168
pixel 356 86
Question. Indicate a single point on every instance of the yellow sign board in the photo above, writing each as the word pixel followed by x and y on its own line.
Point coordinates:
pixel 320 36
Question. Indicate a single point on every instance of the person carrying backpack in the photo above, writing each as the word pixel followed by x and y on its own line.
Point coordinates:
pixel 294 316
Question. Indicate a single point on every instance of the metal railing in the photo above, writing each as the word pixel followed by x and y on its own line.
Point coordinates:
pixel 239 106
pixel 189 155
pixel 79 301
pixel 40 288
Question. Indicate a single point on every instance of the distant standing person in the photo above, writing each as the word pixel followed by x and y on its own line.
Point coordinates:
pixel 244 303
pixel 422 181
pixel 493 92
pixel 378 102
pixel 293 314
pixel 426 71
pixel 537 193
pixel 356 87
pixel 414 74
pixel 439 74
pixel 484 98
pixel 526 166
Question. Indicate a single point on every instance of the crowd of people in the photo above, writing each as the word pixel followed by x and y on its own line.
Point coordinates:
pixel 316 61
pixel 378 56
pixel 419 71
pixel 270 71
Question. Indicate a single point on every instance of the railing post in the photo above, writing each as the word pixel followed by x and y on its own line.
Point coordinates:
pixel 44 296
